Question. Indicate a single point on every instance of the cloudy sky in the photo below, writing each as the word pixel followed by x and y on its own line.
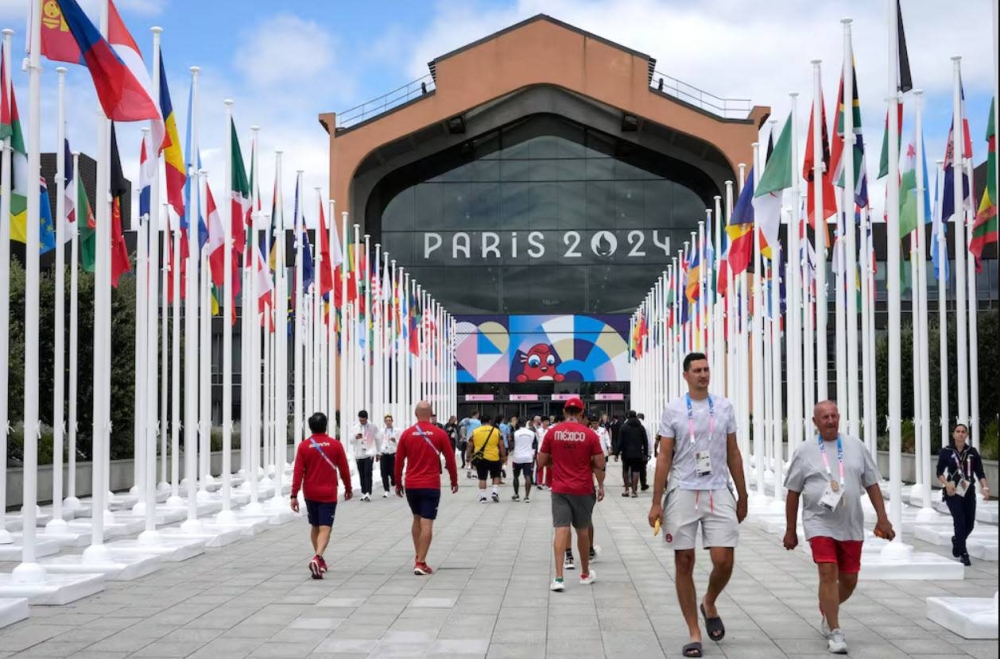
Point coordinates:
pixel 285 63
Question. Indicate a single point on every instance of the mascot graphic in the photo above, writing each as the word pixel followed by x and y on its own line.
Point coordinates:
pixel 540 363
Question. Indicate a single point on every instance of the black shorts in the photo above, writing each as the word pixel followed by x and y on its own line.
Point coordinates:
pixel 424 502
pixel 321 513
pixel 635 465
pixel 523 468
pixel 574 510
pixel 488 468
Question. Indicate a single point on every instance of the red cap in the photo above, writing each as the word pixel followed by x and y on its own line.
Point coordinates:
pixel 574 403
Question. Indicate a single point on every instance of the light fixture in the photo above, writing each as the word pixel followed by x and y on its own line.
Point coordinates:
pixel 630 123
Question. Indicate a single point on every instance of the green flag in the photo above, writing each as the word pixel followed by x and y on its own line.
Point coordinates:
pixel 778 171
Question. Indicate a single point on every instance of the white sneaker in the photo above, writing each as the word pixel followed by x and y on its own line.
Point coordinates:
pixel 837 642
pixel 483 500
pixel 586 580
pixel 824 627
pixel 557 586
pixel 568 563
pixel 385 495
pixel 595 552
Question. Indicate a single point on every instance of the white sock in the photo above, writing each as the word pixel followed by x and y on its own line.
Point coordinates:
pixel 482 494
pixel 494 489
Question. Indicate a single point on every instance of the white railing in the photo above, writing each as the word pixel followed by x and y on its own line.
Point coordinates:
pixel 386 102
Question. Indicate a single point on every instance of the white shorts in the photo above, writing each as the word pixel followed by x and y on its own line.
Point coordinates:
pixel 714 510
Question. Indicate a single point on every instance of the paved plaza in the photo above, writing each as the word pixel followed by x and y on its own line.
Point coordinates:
pixel 488 598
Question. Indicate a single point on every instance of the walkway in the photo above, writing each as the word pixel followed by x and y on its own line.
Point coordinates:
pixel 489 597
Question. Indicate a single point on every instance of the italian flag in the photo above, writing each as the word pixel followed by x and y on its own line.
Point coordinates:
pixel 984 229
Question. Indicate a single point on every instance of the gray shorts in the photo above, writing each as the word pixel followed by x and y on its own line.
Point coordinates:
pixel 713 510
pixel 573 510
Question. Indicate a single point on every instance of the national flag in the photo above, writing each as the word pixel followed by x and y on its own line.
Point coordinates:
pixel 308 270
pixel 264 288
pixel 941 266
pixel 277 220
pixel 145 180
pixel 175 170
pixel 904 78
pixel 119 186
pixel 840 140
pixel 87 227
pixel 48 227
pixel 948 194
pixel 883 160
pixel 693 285
pixel 908 216
pixel 216 239
pixel 193 162
pixel 984 229
pixel 818 220
pixel 327 265
pixel 115 64
pixel 68 221
pixel 239 194
pixel 766 200
pixel 10 128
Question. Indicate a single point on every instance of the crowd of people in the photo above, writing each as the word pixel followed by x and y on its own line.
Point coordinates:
pixel 699 489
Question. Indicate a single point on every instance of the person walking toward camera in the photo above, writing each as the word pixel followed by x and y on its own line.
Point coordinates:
pixel 959 467
pixel 830 475
pixel 318 459
pixel 698 456
pixel 387 455
pixel 365 445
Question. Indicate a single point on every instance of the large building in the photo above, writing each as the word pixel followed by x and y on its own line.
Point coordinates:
pixel 536 183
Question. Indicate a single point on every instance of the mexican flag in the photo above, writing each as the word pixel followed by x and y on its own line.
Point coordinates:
pixel 240 195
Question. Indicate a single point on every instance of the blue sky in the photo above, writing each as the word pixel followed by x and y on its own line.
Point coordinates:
pixel 285 63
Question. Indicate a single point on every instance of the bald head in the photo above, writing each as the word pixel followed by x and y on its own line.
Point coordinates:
pixel 826 417
pixel 423 411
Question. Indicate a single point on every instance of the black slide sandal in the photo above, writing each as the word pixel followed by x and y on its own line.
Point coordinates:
pixel 716 630
pixel 692 650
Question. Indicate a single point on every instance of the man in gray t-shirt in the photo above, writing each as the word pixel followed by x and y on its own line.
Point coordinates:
pixel 830 473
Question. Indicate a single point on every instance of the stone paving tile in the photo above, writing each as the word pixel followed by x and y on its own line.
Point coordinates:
pixel 488 597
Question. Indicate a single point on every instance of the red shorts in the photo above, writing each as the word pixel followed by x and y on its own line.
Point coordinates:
pixel 845 553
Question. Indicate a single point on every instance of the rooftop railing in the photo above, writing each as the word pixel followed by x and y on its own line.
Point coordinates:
pixel 386 102
pixel 727 108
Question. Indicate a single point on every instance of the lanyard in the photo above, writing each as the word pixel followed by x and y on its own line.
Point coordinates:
pixel 711 418
pixel 967 472
pixel 826 461
pixel 427 439
pixel 324 455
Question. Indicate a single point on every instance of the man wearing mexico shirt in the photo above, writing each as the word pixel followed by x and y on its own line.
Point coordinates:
pixel 575 455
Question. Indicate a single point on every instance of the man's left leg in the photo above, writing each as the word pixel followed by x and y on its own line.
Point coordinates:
pixel 322 538
pixel 314 538
pixel 415 533
pixel 722 570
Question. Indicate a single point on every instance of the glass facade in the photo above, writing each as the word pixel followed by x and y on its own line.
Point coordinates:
pixel 542 216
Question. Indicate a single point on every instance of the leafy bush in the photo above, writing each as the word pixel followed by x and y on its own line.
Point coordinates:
pixel 989 440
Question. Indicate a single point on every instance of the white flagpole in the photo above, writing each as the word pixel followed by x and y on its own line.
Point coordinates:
pixel 344 361
pixel 226 515
pixel 298 326
pixel 942 245
pixel 892 267
pixel 840 321
pixel 958 170
pixel 375 366
pixel 139 422
pixel 250 434
pixel 969 214
pixel 332 340
pixel 29 570
pixel 776 415
pixel 5 186
pixel 175 368
pixel 732 368
pixel 850 226
pixel 767 391
pixel 164 485
pixel 793 333
pixel 57 524
pixel 809 308
pixel 72 502
pixel 822 378
pixel 281 356
pixel 367 352
pixel 757 347
pixel 867 412
pixel 205 363
pixel 268 384
pixel 191 336
pixel 96 552
pixel 922 343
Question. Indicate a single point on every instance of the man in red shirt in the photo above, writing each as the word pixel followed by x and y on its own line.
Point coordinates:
pixel 576 457
pixel 317 460
pixel 420 447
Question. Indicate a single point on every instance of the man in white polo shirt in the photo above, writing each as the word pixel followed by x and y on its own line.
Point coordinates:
pixel 523 459
pixel 698 454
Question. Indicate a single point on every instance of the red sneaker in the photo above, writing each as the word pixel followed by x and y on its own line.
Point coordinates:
pixel 315 569
pixel 422 569
pixel 322 564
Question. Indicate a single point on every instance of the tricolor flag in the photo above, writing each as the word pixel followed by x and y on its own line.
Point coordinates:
pixel 818 220
pixel 239 194
pixel 741 227
pixel 216 239
pixel 115 64
pixel 87 226
pixel 68 221
pixel 948 194
pixel 777 177
pixel 176 174
pixel 937 226
pixel 984 229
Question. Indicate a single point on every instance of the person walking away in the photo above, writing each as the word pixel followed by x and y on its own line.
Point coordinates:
pixel 642 472
pixel 603 436
pixel 523 458
pixel 574 453
pixel 486 453
pixel 451 429
pixel 698 456
pixel 387 459
pixel 419 451
pixel 959 466
pixel 505 433
pixel 463 441
pixel 365 444
pixel 633 447
pixel 829 476
pixel 472 426
pixel 318 458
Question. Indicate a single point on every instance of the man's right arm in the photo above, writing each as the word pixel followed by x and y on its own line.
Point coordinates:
pixel 297 471
pixel 791 519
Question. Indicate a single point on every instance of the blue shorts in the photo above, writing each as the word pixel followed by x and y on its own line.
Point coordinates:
pixel 321 513
pixel 424 502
